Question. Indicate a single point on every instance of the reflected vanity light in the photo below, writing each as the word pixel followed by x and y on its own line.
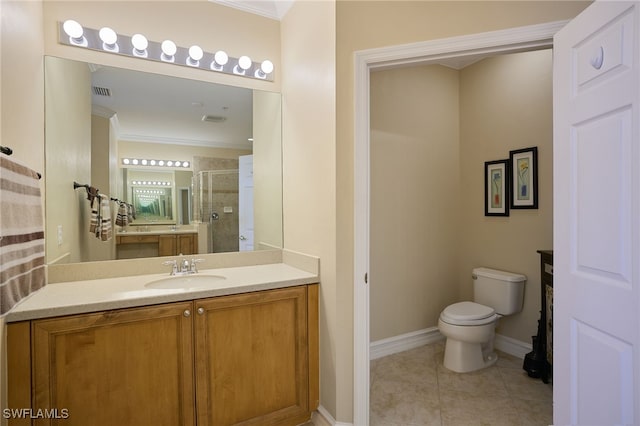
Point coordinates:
pixel 150 162
pixel 72 33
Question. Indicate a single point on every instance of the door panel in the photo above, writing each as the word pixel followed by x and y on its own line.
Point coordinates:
pixel 596 217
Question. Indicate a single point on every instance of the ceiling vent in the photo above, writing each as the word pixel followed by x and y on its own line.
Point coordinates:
pixel 101 91
pixel 213 118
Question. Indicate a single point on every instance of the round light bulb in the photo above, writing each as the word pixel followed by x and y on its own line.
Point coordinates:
pixel 169 48
pixel 169 163
pixel 161 163
pixel 196 53
pixel 221 57
pixel 134 162
pixel 178 163
pixel 73 29
pixel 144 162
pixel 266 67
pixel 108 36
pixel 152 162
pixel 139 42
pixel 244 62
pixel 185 164
pixel 125 161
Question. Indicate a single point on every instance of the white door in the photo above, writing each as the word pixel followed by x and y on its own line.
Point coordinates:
pixel 245 202
pixel 597 217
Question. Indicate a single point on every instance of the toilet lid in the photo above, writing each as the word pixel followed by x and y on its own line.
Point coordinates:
pixel 468 313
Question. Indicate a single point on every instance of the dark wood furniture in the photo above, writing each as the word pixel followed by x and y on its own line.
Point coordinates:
pixel 539 362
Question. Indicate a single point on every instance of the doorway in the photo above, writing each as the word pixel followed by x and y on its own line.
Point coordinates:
pixel 466 47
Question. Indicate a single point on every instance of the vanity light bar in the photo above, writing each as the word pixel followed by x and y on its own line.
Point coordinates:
pixel 154 163
pixel 150 183
pixel 107 40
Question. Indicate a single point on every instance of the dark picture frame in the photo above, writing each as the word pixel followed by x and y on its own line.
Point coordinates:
pixel 496 188
pixel 524 178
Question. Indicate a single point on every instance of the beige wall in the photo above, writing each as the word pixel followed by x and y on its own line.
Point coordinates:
pixel 267 167
pixel 428 229
pixel 372 24
pixel 309 175
pixel 506 104
pixel 68 114
pixel 102 153
pixel 415 197
pixel 22 105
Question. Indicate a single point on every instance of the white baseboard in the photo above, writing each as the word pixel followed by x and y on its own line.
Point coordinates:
pixel 414 339
pixel 322 417
pixel 404 342
pixel 512 346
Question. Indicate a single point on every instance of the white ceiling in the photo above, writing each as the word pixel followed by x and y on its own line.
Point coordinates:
pixel 164 109
pixel 274 9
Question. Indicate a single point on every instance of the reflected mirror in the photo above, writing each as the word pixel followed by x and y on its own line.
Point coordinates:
pixel 182 166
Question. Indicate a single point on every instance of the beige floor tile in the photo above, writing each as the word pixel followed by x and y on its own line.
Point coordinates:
pixel 461 408
pixel 534 413
pixel 521 386
pixel 402 403
pixel 414 388
pixel 486 382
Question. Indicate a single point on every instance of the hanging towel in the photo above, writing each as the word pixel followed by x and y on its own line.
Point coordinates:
pixel 22 268
pixel 100 225
pixel 105 217
pixel 122 219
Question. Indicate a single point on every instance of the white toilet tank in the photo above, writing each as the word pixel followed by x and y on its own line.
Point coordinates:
pixel 503 291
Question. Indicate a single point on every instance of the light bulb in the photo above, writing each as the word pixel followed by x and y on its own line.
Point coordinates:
pixel 169 49
pixel 140 44
pixel 244 62
pixel 109 38
pixel 144 162
pixel 220 59
pixel 185 164
pixel 195 54
pixel 125 161
pixel 161 163
pixel 169 163
pixel 152 162
pixel 134 162
pixel 178 163
pixel 266 67
pixel 75 32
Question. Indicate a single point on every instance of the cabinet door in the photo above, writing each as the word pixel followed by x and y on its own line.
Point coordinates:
pixel 252 358
pixel 124 367
pixel 167 245
pixel 185 244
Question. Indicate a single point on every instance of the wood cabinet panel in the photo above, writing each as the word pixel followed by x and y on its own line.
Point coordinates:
pixel 167 245
pixel 252 358
pixel 124 367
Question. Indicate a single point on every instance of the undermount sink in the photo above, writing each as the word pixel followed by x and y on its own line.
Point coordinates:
pixel 187 281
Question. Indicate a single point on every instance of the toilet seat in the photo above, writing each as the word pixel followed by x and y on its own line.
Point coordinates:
pixel 468 313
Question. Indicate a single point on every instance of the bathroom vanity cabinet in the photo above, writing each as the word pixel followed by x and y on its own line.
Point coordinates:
pixel 161 244
pixel 248 358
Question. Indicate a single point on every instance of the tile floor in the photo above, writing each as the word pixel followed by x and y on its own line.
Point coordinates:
pixel 413 388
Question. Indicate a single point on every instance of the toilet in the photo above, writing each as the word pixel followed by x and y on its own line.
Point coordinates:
pixel 470 326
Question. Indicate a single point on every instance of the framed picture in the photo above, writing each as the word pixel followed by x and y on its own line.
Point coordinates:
pixel 524 178
pixel 496 188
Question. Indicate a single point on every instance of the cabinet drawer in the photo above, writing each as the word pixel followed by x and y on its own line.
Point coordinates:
pixel 137 239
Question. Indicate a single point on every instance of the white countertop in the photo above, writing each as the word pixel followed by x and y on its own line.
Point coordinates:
pixel 124 292
pixel 157 232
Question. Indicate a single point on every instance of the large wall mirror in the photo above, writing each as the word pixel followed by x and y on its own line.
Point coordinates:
pixel 178 158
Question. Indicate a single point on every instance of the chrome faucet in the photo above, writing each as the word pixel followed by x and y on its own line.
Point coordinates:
pixel 186 267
